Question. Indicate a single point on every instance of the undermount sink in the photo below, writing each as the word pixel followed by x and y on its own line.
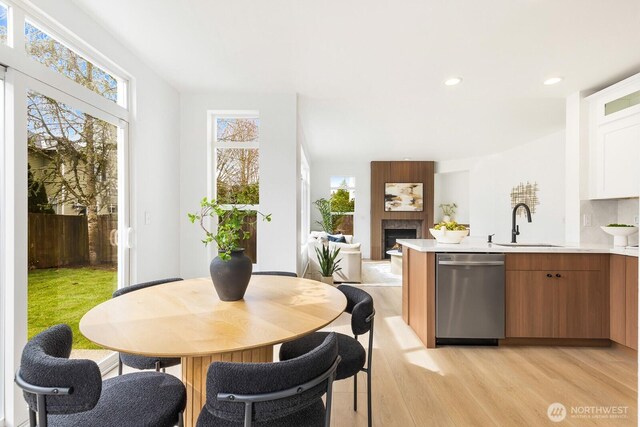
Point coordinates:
pixel 528 245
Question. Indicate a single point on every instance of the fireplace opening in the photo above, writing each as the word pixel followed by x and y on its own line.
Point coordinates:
pixel 393 234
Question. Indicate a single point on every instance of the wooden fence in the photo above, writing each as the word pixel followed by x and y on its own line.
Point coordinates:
pixel 63 240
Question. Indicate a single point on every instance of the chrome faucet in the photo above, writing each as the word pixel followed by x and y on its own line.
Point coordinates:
pixel 515 229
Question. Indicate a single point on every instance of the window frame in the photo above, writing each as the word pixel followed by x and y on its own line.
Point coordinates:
pixel 212 163
pixel 350 189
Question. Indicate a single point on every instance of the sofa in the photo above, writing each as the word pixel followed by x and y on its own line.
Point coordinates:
pixel 350 256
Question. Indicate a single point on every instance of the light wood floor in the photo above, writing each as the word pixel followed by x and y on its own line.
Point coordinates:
pixel 480 386
pixel 477 386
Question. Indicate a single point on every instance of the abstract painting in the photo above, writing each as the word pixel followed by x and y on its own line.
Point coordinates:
pixel 406 197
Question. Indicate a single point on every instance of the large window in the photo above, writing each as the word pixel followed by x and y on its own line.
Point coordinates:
pixel 305 200
pixel 4 23
pixel 236 139
pixel 58 57
pixel 343 203
pixel 72 183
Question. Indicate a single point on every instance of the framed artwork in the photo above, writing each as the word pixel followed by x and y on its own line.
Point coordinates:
pixel 403 197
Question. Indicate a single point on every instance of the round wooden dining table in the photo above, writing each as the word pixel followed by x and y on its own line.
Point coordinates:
pixel 186 319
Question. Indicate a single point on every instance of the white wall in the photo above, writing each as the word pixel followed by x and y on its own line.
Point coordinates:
pixel 322 171
pixel 493 177
pixel 278 242
pixel 452 187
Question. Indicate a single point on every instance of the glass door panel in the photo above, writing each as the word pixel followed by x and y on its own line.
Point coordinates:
pixel 72 216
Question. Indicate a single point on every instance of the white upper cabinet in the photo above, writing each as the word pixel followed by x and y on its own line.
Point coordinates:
pixel 614 141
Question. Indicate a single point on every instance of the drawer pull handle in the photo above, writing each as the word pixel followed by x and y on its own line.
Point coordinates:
pixel 549 275
pixel 558 275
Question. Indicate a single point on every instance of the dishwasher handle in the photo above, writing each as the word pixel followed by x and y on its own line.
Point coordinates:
pixel 471 263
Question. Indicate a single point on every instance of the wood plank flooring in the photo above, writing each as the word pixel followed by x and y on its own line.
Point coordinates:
pixel 477 386
pixel 480 386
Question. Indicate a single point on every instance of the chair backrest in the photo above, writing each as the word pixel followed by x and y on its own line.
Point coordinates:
pixel 274 273
pixel 45 363
pixel 360 306
pixel 139 286
pixel 258 381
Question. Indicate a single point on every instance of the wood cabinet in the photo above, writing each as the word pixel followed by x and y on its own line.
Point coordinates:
pixel 623 285
pixel 614 121
pixel 557 296
pixel 617 299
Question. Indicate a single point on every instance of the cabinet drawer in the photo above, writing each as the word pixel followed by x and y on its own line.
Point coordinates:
pixel 555 261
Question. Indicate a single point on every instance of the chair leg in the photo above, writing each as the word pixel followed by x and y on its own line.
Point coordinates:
pixel 181 419
pixel 369 395
pixel 32 418
pixel 157 366
pixel 355 392
pixel 119 365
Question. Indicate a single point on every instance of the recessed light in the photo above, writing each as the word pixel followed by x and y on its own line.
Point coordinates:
pixel 453 81
pixel 552 81
pixel 407 158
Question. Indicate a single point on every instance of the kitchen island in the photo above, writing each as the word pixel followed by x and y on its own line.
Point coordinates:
pixel 553 294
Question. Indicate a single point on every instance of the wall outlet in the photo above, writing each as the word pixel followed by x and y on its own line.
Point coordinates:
pixel 635 220
pixel 147 218
pixel 586 220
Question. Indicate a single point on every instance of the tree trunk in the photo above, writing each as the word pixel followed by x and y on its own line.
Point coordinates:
pixel 92 226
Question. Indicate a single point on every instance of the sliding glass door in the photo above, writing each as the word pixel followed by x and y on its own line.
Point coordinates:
pixel 72 193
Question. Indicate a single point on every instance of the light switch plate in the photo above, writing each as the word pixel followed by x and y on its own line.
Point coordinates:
pixel 147 218
pixel 586 220
pixel 635 220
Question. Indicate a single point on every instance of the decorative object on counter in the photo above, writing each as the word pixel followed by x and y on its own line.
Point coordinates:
pixel 231 269
pixel 329 263
pixel 620 233
pixel 490 238
pixel 515 229
pixel 449 232
pixel 403 197
pixel 527 194
pixel 448 211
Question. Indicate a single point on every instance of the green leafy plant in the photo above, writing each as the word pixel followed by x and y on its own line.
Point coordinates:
pixel 448 209
pixel 327 260
pixel 231 222
pixel 324 207
pixel 619 225
pixel 451 226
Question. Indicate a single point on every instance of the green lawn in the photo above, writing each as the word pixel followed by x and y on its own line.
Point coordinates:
pixel 64 295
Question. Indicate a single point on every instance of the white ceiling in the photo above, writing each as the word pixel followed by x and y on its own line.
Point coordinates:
pixel 369 73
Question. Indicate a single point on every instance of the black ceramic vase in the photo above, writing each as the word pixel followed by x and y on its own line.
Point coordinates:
pixel 231 277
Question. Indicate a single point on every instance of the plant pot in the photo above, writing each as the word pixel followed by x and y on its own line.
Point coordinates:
pixel 231 277
pixel 327 279
pixel 446 218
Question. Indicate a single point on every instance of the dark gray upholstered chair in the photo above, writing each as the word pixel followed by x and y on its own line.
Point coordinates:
pixel 145 362
pixel 70 392
pixel 274 273
pixel 280 394
pixel 353 355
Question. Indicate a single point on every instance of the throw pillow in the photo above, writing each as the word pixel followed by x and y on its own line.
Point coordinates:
pixel 338 238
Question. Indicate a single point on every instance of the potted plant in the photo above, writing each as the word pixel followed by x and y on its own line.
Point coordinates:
pixel 324 207
pixel 231 269
pixel 448 211
pixel 328 263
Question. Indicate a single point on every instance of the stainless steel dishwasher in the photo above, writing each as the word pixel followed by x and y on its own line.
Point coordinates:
pixel 469 298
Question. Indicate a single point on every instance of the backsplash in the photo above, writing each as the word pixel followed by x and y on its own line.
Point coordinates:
pixel 603 212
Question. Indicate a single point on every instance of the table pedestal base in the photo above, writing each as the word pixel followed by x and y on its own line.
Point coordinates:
pixel 194 376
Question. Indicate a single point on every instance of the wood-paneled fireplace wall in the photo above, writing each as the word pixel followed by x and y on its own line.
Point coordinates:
pixel 399 172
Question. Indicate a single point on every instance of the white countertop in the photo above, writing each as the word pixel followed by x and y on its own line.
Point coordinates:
pixel 471 244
